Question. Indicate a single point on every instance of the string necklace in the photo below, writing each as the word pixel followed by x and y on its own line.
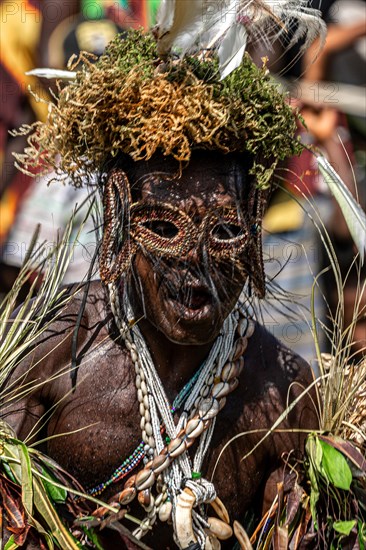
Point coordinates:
pixel 178 480
pixel 135 458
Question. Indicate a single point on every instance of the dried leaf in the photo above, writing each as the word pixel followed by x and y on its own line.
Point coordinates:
pixel 280 541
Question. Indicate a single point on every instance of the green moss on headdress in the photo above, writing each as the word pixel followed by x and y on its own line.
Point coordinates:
pixel 130 102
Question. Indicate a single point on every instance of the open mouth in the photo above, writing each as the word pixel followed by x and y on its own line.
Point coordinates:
pixel 193 300
pixel 194 297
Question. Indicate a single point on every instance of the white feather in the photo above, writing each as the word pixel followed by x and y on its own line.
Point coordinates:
pixel 186 25
pixel 353 214
pixel 52 73
pixel 232 49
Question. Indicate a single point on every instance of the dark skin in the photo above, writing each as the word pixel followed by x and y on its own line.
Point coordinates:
pixel 179 334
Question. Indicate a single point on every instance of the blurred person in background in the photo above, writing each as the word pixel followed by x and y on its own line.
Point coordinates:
pixel 51 32
pixel 291 237
pixel 341 133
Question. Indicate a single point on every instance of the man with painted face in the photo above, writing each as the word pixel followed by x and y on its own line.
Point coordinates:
pixel 174 384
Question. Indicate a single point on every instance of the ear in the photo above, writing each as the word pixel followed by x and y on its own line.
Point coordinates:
pixel 114 260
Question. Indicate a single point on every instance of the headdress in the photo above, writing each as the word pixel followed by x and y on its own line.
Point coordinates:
pixel 193 86
pixel 127 102
pixel 130 102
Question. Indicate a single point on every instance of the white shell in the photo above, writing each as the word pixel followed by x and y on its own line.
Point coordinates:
pixel 144 479
pixel 176 447
pixel 138 533
pixel 183 518
pixel 127 495
pixel 219 529
pixel 160 463
pixel 239 347
pixel 204 391
pixel 232 369
pixel 242 536
pixel 158 500
pixel 220 390
pixel 222 403
pixel 165 511
pixel 194 427
pixel 143 387
pixel 148 428
pixel 250 329
pixel 208 408
pixel 220 509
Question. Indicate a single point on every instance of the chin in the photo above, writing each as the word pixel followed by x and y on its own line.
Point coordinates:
pixel 189 336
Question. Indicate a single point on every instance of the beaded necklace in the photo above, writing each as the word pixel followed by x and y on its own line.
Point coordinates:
pixel 131 462
pixel 180 489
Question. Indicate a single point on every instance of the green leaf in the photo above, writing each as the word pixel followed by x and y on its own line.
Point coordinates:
pixel 344 527
pixel 314 452
pixel 6 470
pixel 56 528
pixel 92 537
pixel 27 488
pixel 335 467
pixel 11 545
pixel 361 534
pixel 56 494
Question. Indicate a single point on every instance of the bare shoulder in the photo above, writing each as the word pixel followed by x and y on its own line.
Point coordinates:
pixel 273 378
pixel 83 308
pixel 273 363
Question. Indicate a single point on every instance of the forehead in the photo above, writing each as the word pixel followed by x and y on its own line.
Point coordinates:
pixel 208 178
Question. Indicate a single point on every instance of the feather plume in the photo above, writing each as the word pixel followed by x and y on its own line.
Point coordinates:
pixel 354 215
pixel 188 26
pixel 232 49
pixel 52 73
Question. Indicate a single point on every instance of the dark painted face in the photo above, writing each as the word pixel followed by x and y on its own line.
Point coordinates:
pixel 188 271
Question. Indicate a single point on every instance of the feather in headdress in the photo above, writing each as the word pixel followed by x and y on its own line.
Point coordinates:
pixel 185 26
pixel 52 73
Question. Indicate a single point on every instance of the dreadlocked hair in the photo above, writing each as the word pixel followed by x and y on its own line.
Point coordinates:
pixel 131 102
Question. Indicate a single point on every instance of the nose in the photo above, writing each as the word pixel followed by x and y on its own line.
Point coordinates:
pixel 195 254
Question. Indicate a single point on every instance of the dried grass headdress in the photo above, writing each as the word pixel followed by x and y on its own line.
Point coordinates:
pixel 131 102
pixel 192 86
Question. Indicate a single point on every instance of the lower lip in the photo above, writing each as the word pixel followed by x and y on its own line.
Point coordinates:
pixel 188 314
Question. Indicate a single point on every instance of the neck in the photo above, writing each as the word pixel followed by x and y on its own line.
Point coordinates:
pixel 175 363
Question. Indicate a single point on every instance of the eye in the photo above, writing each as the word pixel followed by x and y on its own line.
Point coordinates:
pixel 225 231
pixel 167 230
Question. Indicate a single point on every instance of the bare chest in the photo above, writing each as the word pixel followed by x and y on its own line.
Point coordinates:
pixel 102 422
